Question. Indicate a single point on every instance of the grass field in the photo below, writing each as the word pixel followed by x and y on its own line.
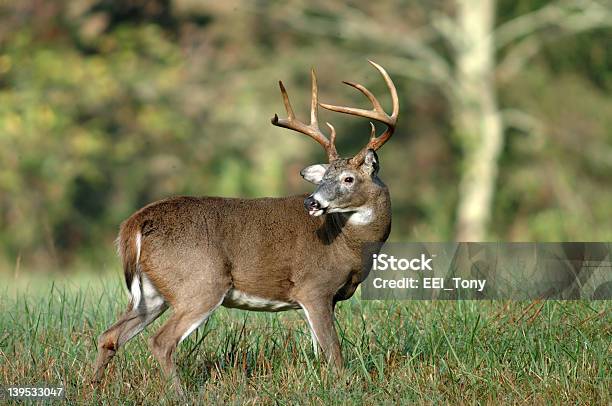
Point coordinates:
pixel 395 352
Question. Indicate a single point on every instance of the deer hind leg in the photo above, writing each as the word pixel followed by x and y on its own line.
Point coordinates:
pixel 138 316
pixel 184 321
pixel 320 316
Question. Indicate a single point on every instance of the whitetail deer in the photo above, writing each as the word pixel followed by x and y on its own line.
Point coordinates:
pixel 196 254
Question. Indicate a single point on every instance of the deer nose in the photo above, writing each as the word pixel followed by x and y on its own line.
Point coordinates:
pixel 310 203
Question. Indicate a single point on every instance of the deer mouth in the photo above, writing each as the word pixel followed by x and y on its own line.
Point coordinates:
pixel 317 212
pixel 314 207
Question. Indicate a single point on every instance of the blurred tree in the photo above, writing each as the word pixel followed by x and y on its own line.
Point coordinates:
pixel 106 106
pixel 467 69
pixel 479 122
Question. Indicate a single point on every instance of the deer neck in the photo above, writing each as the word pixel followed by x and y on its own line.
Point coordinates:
pixel 368 223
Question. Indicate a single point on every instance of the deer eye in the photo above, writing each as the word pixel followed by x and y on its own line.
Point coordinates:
pixel 349 179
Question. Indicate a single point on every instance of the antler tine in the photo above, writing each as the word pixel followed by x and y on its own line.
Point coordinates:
pixel 286 101
pixel 314 99
pixel 372 131
pixel 332 137
pixel 312 130
pixel 376 113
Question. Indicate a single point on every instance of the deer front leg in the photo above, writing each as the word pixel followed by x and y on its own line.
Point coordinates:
pixel 320 316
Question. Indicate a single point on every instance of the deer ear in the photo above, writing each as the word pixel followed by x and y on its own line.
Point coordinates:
pixel 314 173
pixel 370 163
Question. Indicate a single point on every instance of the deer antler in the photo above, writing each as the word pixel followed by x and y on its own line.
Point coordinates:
pixel 377 113
pixel 312 130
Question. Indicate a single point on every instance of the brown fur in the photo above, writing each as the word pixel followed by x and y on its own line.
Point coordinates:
pixel 259 245
pixel 194 250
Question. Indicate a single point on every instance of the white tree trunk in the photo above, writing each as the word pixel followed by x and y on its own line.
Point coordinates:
pixel 477 118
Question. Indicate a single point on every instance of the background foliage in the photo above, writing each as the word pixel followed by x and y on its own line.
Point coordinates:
pixel 106 106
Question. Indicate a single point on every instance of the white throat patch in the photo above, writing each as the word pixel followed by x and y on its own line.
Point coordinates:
pixel 361 216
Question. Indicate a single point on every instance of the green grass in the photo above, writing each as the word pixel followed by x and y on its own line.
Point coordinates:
pixel 395 352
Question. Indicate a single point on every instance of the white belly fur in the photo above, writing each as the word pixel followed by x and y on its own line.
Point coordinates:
pixel 240 300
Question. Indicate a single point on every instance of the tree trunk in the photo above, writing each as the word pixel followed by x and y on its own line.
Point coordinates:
pixel 477 118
